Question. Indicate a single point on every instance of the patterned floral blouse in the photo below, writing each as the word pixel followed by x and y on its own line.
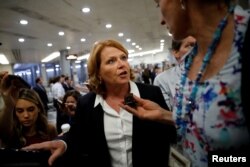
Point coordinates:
pixel 217 120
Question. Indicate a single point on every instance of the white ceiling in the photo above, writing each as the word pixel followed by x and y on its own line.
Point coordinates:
pixel 139 20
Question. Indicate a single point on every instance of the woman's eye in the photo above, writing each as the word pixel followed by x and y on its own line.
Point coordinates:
pixel 19 111
pixel 111 61
pixel 124 58
pixel 30 109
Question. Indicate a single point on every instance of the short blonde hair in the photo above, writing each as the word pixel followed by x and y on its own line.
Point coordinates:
pixel 94 63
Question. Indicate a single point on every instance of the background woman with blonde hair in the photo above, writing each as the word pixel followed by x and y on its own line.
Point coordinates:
pixel 30 121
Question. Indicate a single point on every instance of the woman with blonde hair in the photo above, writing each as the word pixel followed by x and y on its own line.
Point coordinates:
pixel 30 124
pixel 23 117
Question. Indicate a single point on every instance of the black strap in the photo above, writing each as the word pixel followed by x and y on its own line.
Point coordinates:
pixel 245 78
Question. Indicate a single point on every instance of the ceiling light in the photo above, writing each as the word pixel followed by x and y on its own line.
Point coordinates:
pixel 85 10
pixel 120 34
pixel 133 43
pixel 3 59
pixel 169 34
pixel 23 22
pixel 108 25
pixel 49 44
pixel 83 39
pixel 162 40
pixel 21 39
pixel 68 47
pixel 51 57
pixel 128 40
pixel 137 46
pixel 61 33
pixel 71 57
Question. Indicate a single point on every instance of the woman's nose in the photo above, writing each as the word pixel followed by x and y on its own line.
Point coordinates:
pixel 25 114
pixel 120 63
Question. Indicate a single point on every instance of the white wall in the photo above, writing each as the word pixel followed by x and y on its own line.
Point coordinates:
pixel 6 68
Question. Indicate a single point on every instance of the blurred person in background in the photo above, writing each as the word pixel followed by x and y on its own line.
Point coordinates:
pixel 40 89
pixel 69 105
pixel 30 121
pixel 23 121
pixel 138 75
pixel 168 79
pixel 58 93
pixel 9 87
pixel 67 84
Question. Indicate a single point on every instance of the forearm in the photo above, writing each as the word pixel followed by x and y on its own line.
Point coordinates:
pixel 6 118
pixel 6 121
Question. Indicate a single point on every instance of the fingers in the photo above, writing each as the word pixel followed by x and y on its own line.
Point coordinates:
pixel 39 146
pixel 51 160
pixel 56 147
pixel 3 73
pixel 57 152
pixel 53 157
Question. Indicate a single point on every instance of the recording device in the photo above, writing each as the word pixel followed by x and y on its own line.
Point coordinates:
pixel 130 101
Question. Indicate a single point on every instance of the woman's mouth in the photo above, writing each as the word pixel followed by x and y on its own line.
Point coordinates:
pixel 124 73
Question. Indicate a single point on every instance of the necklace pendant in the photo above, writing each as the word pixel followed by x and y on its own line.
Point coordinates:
pixel 189 102
pixel 191 105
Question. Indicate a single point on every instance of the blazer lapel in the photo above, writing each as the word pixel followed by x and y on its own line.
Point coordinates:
pixel 98 115
pixel 101 148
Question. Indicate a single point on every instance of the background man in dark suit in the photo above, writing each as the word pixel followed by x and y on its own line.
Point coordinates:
pixel 67 84
pixel 40 89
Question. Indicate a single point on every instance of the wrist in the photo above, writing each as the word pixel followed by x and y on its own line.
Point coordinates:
pixel 167 117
